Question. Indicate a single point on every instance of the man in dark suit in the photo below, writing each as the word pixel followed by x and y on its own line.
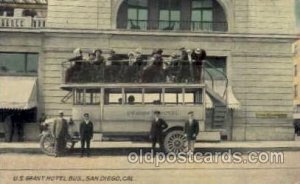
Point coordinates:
pixel 86 134
pixel 156 132
pixel 60 131
pixel 191 130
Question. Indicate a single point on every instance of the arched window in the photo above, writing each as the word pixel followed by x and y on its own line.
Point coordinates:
pixel 193 15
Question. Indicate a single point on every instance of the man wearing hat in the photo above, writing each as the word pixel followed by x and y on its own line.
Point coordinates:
pixel 191 130
pixel 86 134
pixel 198 56
pixel 60 131
pixel 156 132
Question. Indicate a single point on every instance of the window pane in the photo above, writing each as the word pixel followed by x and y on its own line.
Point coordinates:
pixel 175 15
pixel 298 13
pixel 189 98
pixel 197 4
pixel 193 96
pixel 133 96
pixel 12 63
pixel 143 14
pixel 153 96
pixel 173 96
pixel 138 3
pixel 207 15
pixel 132 14
pixel 196 15
pixel 202 4
pixel 207 4
pixel 113 96
pixel 78 97
pixel 32 63
pixel 164 15
pixel 92 97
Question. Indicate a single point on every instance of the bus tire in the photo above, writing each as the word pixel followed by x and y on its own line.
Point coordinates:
pixel 175 142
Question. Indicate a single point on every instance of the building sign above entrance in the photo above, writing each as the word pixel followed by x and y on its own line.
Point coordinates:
pixel 270 115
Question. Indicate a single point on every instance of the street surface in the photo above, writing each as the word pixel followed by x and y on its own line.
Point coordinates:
pixel 111 163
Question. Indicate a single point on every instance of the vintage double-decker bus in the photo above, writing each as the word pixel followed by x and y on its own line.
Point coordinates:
pixel 123 111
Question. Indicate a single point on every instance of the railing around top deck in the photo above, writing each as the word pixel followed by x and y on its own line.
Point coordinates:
pixel 120 71
pixel 22 22
pixel 83 72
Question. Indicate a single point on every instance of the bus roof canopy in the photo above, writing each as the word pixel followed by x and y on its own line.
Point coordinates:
pixel 70 87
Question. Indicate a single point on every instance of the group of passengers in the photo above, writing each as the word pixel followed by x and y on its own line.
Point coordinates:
pixel 136 67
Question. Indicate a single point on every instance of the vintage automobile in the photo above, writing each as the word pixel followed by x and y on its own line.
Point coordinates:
pixel 47 140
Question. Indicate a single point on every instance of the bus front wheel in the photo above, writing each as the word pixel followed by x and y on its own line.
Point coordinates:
pixel 175 142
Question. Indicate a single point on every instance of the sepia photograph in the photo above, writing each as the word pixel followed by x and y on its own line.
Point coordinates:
pixel 150 91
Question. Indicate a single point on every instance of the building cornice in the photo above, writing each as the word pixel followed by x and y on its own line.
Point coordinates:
pixel 152 33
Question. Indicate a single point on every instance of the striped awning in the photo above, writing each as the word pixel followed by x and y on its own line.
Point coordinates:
pixel 25 1
pixel 232 102
pixel 19 93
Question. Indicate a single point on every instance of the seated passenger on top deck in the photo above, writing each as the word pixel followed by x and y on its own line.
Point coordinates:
pixel 186 70
pixel 130 71
pixel 198 56
pixel 114 69
pixel 72 72
pixel 77 55
pixel 155 72
pixel 99 59
pixel 172 68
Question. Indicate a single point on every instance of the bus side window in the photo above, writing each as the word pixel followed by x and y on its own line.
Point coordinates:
pixel 193 96
pixel 78 97
pixel 113 96
pixel 173 96
pixel 153 96
pixel 133 96
pixel 92 97
pixel 86 97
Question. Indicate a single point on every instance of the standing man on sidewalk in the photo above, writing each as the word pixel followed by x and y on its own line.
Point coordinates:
pixel 60 131
pixel 156 132
pixel 191 130
pixel 86 134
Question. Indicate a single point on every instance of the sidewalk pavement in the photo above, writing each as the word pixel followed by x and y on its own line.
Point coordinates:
pixel 246 145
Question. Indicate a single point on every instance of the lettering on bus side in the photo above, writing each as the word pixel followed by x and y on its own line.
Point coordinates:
pixel 133 114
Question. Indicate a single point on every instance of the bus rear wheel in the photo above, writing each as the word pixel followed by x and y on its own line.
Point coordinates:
pixel 175 142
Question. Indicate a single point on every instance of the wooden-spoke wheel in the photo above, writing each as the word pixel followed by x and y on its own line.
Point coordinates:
pixel 175 142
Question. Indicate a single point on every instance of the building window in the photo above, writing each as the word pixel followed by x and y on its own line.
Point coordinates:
pixel 194 15
pixel 18 63
pixel 202 15
pixel 137 14
pixel 169 14
pixel 297 9
pixel 295 90
pixel 6 11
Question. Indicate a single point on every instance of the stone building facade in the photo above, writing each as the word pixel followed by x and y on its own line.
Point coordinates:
pixel 256 43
